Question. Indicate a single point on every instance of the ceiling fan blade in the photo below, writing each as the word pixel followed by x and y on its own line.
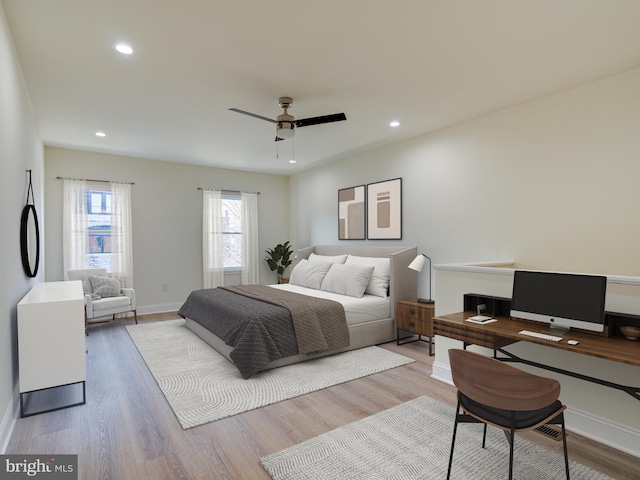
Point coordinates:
pixel 305 122
pixel 253 115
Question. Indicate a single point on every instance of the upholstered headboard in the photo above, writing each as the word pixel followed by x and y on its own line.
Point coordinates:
pixel 403 284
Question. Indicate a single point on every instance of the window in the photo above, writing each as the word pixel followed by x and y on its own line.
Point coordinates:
pixel 231 232
pixel 229 236
pixel 99 227
pixel 97 231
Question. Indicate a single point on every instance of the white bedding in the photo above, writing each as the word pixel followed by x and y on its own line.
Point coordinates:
pixel 357 310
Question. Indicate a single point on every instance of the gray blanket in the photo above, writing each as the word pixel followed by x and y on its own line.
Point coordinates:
pixel 264 324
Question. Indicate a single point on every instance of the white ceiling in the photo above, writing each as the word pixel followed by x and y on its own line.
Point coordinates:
pixel 425 63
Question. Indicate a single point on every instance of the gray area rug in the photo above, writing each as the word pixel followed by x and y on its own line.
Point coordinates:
pixel 202 386
pixel 412 441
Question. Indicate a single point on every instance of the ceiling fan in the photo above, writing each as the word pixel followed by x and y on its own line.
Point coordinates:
pixel 286 124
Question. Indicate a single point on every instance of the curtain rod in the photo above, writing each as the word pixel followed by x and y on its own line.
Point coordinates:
pixel 93 180
pixel 226 190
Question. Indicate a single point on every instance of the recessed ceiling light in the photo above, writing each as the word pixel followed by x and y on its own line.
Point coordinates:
pixel 101 134
pixel 395 123
pixel 292 161
pixel 123 48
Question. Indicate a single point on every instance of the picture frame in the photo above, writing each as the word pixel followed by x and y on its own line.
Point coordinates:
pixel 384 210
pixel 352 219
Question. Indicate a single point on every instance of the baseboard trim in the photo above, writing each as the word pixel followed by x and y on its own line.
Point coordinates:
pixel 608 433
pixel 159 308
pixel 442 372
pixel 603 431
pixel 9 421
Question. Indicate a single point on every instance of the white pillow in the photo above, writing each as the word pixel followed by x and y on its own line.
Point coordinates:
pixel 313 257
pixel 105 287
pixel 351 280
pixel 379 283
pixel 309 274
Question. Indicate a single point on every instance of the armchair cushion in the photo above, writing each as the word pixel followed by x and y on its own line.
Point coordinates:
pixel 98 308
pixel 109 303
pixel 105 287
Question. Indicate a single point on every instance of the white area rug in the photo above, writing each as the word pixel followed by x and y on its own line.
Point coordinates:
pixel 412 441
pixel 202 386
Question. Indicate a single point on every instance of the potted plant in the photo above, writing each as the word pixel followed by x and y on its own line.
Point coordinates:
pixel 278 259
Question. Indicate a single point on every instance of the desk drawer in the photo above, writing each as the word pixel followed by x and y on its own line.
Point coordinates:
pixel 472 336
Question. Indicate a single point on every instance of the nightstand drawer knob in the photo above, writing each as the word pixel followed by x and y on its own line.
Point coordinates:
pixel 412 311
pixel 412 324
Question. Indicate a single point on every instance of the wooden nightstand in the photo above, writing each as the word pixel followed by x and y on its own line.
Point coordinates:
pixel 417 318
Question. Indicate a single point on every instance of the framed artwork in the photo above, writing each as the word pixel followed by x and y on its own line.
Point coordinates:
pixel 384 210
pixel 351 213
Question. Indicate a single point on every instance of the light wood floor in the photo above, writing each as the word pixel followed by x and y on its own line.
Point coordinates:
pixel 127 430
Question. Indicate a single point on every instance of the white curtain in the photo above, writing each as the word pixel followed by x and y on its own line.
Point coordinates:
pixel 212 239
pixel 250 254
pixel 74 225
pixel 121 234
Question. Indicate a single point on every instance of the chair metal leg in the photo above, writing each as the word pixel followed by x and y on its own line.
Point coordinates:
pixel 453 440
pixel 511 454
pixel 484 435
pixel 512 440
pixel 564 446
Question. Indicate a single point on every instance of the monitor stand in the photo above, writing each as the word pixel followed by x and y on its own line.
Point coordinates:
pixel 557 330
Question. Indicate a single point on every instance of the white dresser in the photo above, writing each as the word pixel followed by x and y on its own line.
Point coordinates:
pixel 51 339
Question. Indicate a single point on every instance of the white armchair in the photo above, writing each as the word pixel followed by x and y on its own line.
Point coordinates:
pixel 98 310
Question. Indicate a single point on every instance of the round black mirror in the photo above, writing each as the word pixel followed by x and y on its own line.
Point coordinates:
pixel 30 240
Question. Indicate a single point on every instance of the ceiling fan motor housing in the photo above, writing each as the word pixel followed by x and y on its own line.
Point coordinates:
pixel 285 102
pixel 286 127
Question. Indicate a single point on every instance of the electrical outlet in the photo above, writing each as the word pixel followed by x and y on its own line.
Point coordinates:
pixel 165 287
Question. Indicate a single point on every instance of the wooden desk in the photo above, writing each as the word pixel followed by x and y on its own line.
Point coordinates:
pixel 498 335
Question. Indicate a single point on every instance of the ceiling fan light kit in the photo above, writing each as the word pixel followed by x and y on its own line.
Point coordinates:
pixel 285 130
pixel 286 124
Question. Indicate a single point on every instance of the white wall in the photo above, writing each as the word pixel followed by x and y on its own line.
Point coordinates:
pixel 20 150
pixel 167 218
pixel 550 183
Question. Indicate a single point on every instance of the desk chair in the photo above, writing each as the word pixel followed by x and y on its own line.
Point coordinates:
pixel 494 393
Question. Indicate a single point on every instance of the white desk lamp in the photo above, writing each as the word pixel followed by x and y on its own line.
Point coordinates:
pixel 417 264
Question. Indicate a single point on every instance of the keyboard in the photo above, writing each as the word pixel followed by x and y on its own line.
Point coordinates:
pixel 543 336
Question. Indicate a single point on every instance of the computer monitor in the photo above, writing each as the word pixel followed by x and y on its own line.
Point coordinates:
pixel 562 300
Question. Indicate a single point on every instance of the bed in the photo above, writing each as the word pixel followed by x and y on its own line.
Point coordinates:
pixel 370 319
